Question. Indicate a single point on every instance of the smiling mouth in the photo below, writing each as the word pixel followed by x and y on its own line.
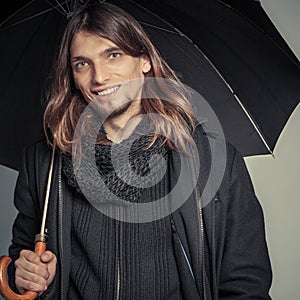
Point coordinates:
pixel 108 91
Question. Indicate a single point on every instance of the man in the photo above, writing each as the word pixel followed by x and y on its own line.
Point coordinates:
pixel 217 251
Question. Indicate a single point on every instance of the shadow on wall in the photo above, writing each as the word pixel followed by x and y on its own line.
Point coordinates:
pixel 7 210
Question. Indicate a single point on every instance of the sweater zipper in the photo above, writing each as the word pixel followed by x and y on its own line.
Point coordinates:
pixel 118 280
pixel 59 225
pixel 118 254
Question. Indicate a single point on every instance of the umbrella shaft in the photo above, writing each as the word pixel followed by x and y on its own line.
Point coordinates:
pixel 42 231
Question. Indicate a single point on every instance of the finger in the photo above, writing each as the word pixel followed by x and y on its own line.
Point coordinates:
pixel 29 277
pixel 30 256
pixel 47 257
pixel 51 270
pixel 27 256
pixel 30 285
pixel 27 267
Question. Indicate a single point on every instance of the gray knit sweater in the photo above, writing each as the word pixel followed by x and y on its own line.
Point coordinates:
pixel 119 260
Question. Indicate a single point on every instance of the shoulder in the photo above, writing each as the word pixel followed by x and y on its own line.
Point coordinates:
pixel 40 146
pixel 214 144
pixel 219 156
pixel 36 154
pixel 211 141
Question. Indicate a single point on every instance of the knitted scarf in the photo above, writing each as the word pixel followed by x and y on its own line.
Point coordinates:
pixel 130 161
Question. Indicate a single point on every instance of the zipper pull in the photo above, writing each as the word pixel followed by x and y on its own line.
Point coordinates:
pixel 173 226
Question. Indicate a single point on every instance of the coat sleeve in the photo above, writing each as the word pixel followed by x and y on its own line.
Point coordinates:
pixel 245 271
pixel 27 222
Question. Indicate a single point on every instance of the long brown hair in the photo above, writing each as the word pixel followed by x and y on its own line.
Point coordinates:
pixel 66 103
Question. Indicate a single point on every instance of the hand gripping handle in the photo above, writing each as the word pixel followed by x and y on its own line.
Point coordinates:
pixel 40 247
pixel 6 292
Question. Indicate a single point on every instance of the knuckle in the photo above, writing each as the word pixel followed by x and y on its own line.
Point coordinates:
pixel 18 272
pixel 27 255
pixel 35 269
pixel 34 279
pixel 44 274
pixel 53 261
pixel 31 286
pixel 23 252
pixel 18 281
pixel 17 263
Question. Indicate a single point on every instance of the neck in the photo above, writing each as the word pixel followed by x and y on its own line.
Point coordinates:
pixel 118 129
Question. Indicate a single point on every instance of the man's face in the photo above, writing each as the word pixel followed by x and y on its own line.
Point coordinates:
pixel 101 71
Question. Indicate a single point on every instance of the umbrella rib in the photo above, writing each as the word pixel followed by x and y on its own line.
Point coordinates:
pixel 62 8
pixel 68 7
pixel 260 29
pixel 233 93
pixel 260 134
pixel 19 10
pixel 33 16
pixel 59 5
pixel 157 27
pixel 218 72
pixel 176 31
pixel 253 123
pixel 29 18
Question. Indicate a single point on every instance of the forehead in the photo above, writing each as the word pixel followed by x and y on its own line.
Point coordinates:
pixel 85 44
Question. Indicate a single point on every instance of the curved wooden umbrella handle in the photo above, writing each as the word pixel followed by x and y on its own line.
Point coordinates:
pixel 6 292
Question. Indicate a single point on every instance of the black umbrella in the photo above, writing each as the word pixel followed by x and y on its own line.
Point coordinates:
pixel 254 61
pixel 241 66
pixel 29 39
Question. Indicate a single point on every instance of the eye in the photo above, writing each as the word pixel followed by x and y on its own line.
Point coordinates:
pixel 114 55
pixel 79 65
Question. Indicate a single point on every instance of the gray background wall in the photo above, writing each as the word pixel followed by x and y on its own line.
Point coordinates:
pixel 276 181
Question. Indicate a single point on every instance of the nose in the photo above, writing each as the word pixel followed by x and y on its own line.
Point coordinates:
pixel 100 74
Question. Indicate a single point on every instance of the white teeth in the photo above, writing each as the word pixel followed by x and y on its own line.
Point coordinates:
pixel 108 91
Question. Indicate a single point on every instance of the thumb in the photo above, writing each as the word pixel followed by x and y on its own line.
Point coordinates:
pixel 47 256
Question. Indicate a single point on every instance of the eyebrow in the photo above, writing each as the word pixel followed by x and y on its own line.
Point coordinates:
pixel 106 51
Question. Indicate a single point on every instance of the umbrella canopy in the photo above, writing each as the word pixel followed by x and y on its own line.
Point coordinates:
pixel 241 66
pixel 245 48
pixel 29 41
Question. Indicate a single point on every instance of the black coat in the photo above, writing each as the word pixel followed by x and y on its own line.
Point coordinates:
pixel 220 246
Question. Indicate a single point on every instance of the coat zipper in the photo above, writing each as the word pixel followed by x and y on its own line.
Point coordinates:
pixel 213 246
pixel 201 230
pixel 202 248
pixel 60 223
pixel 182 248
